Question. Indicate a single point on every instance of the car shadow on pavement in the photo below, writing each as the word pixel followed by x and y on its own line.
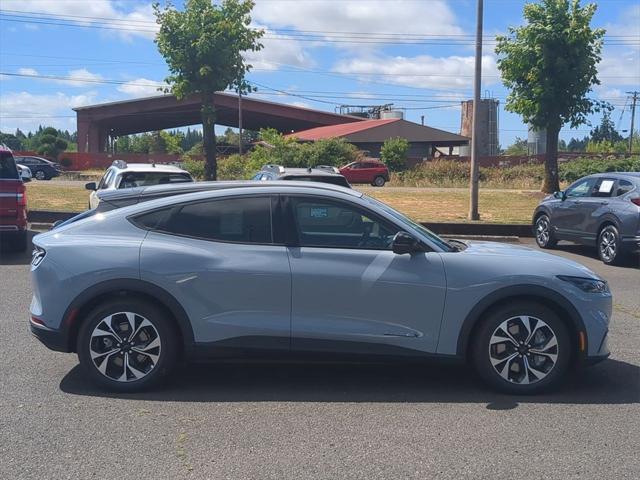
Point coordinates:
pixel 584 251
pixel 7 257
pixel 611 382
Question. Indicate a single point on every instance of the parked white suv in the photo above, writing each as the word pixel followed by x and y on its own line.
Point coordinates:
pixel 121 175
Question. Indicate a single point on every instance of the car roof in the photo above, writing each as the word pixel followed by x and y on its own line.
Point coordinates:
pixel 149 167
pixel 635 175
pixel 172 189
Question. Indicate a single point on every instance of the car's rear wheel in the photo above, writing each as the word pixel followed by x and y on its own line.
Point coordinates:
pixel 522 348
pixel 610 246
pixel 127 345
pixel 544 233
pixel 379 181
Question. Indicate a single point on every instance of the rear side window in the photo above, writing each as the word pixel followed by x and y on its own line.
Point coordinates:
pixel 603 187
pixel 240 220
pixel 8 169
pixel 624 186
pixel 152 220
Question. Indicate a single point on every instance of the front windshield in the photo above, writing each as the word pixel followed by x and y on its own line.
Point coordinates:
pixel 404 219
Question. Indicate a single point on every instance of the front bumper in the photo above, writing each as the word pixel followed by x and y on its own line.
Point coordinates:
pixel 53 339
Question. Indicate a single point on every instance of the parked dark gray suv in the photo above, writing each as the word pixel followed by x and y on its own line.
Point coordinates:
pixel 600 210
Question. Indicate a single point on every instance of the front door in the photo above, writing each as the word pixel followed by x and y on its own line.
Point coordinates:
pixel 567 214
pixel 350 292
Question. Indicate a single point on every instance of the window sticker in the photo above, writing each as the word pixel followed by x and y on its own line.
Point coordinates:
pixel 606 186
pixel 319 212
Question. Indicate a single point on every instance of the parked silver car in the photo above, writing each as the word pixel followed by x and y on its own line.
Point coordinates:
pixel 600 210
pixel 304 267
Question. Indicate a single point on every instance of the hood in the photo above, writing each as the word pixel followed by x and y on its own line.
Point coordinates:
pixel 519 254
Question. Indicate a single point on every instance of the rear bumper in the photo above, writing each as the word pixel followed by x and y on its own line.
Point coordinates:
pixel 631 244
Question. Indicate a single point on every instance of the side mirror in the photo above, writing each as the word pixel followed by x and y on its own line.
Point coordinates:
pixel 405 243
pixel 561 195
pixel 90 186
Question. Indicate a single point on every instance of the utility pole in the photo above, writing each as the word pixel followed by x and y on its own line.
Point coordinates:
pixel 240 121
pixel 473 203
pixel 634 99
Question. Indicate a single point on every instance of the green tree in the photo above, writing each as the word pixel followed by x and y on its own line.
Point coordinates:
pixel 394 153
pixel 518 147
pixel 549 65
pixel 606 130
pixel 49 143
pixel 203 47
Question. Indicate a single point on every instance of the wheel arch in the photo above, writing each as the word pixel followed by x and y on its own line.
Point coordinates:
pixel 536 293
pixel 96 294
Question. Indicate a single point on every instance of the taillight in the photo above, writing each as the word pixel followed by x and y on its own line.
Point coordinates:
pixel 636 201
pixel 21 197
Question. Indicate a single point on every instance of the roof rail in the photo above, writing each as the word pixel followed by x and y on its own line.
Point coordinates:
pixel 328 168
pixel 273 168
pixel 119 164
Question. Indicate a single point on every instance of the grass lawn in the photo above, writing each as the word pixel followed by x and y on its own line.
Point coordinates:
pixel 51 195
pixel 422 204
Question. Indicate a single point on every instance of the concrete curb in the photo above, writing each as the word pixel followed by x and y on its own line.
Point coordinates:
pixel 447 228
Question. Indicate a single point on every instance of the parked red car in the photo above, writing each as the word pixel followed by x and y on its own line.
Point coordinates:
pixel 372 172
pixel 13 204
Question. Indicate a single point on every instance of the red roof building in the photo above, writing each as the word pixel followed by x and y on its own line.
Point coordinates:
pixel 369 135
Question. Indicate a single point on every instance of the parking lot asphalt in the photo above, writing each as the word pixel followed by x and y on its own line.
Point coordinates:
pixel 333 421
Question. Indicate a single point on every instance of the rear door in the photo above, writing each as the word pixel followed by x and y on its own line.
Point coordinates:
pixel 350 292
pixel 594 207
pixel 219 259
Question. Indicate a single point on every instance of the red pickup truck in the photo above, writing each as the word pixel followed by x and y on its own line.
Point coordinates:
pixel 13 204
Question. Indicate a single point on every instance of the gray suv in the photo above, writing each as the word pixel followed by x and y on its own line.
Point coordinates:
pixel 305 268
pixel 600 210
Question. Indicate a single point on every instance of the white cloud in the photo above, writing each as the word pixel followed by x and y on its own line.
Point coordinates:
pixel 27 71
pixel 278 50
pixel 141 87
pixel 26 111
pixel 80 78
pixel 375 16
pixel 137 21
pixel 424 71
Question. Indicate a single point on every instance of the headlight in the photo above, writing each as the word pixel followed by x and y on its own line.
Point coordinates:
pixel 589 285
pixel 37 256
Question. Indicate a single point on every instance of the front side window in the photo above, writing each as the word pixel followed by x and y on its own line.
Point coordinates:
pixel 581 188
pixel 106 180
pixel 145 179
pixel 325 223
pixel 241 220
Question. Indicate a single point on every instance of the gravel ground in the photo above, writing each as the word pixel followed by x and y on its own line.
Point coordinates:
pixel 280 420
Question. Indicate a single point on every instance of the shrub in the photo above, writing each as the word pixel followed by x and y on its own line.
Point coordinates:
pixel 194 167
pixel 394 153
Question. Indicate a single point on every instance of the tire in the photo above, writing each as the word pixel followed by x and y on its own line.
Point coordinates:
pixel 521 370
pixel 543 232
pixel 379 181
pixel 117 364
pixel 610 247
pixel 40 175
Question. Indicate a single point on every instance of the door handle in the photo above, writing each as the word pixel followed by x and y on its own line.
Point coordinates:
pixel 604 203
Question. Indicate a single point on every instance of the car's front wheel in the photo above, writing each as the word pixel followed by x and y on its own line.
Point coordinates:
pixel 127 345
pixel 40 175
pixel 544 233
pixel 522 348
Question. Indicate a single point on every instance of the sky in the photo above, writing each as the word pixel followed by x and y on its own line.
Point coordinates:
pixel 416 54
